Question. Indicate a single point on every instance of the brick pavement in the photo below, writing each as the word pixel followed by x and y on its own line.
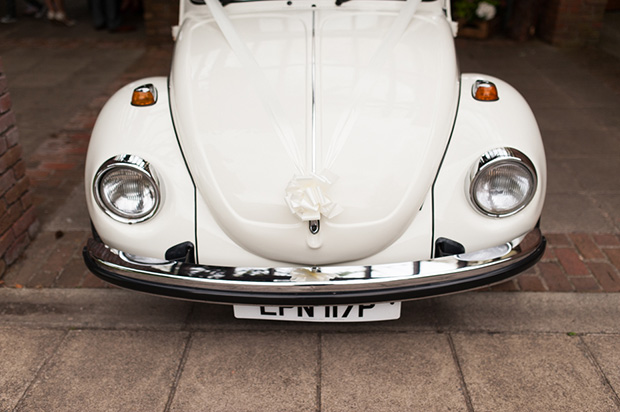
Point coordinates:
pixel 574 262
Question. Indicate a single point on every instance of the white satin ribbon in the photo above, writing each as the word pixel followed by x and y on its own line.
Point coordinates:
pixel 368 79
pixel 306 196
pixel 280 121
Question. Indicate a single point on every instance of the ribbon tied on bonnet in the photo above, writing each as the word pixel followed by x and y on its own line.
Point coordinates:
pixel 307 193
pixel 307 197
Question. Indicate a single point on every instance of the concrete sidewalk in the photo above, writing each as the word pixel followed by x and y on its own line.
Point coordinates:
pixel 111 350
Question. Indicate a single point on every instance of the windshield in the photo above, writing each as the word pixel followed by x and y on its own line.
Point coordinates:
pixel 225 2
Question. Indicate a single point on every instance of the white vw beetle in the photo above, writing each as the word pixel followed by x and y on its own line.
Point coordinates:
pixel 314 160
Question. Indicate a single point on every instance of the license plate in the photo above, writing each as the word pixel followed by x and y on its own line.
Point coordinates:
pixel 367 312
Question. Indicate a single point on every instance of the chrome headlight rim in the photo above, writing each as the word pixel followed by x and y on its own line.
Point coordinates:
pixel 492 158
pixel 132 162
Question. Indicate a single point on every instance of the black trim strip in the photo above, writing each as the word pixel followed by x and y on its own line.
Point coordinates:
pixel 443 157
pixel 189 172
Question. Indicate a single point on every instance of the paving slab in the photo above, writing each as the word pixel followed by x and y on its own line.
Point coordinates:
pixel 531 373
pixel 574 212
pixel 609 204
pixel 598 177
pixel 529 312
pixel 610 35
pixel 606 350
pixel 90 308
pixel 72 214
pixel 108 371
pixel 250 371
pixel 73 76
pixel 570 144
pixel 389 372
pixel 22 353
pixel 562 119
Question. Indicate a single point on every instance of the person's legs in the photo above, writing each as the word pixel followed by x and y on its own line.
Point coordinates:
pixel 97 13
pixel 35 9
pixel 58 7
pixel 33 3
pixel 10 13
pixel 50 9
pixel 57 12
pixel 112 13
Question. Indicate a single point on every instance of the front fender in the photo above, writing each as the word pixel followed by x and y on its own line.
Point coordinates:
pixel 482 126
pixel 147 132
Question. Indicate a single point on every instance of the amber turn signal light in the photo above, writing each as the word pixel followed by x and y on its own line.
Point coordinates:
pixel 485 91
pixel 145 95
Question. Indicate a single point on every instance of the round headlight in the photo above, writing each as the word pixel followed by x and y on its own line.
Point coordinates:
pixel 503 182
pixel 126 189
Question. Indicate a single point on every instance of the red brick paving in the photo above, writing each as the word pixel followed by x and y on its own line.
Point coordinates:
pixel 530 282
pixel 576 262
pixel 587 246
pixel 606 275
pixel 571 262
pixel 614 256
pixel 606 240
pixel 553 277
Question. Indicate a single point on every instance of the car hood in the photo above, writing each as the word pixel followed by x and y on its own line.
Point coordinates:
pixel 307 110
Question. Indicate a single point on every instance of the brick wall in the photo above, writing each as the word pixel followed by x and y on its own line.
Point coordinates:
pixel 159 17
pixel 18 223
pixel 572 23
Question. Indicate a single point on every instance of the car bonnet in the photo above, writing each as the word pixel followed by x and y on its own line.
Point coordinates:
pixel 321 114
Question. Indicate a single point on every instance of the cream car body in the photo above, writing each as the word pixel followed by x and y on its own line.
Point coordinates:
pixel 298 144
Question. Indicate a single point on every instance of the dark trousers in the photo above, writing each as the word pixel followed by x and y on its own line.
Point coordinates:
pixel 12 11
pixel 105 13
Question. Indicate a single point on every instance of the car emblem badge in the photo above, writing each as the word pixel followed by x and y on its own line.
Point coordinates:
pixel 314 226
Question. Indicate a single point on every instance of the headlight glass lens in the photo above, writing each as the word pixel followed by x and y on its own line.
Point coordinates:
pixel 127 192
pixel 503 187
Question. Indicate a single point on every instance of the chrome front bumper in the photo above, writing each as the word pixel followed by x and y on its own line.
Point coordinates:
pixel 312 285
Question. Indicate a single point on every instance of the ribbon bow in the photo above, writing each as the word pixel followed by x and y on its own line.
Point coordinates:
pixel 307 197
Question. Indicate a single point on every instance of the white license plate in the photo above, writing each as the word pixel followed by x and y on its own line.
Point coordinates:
pixel 367 312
